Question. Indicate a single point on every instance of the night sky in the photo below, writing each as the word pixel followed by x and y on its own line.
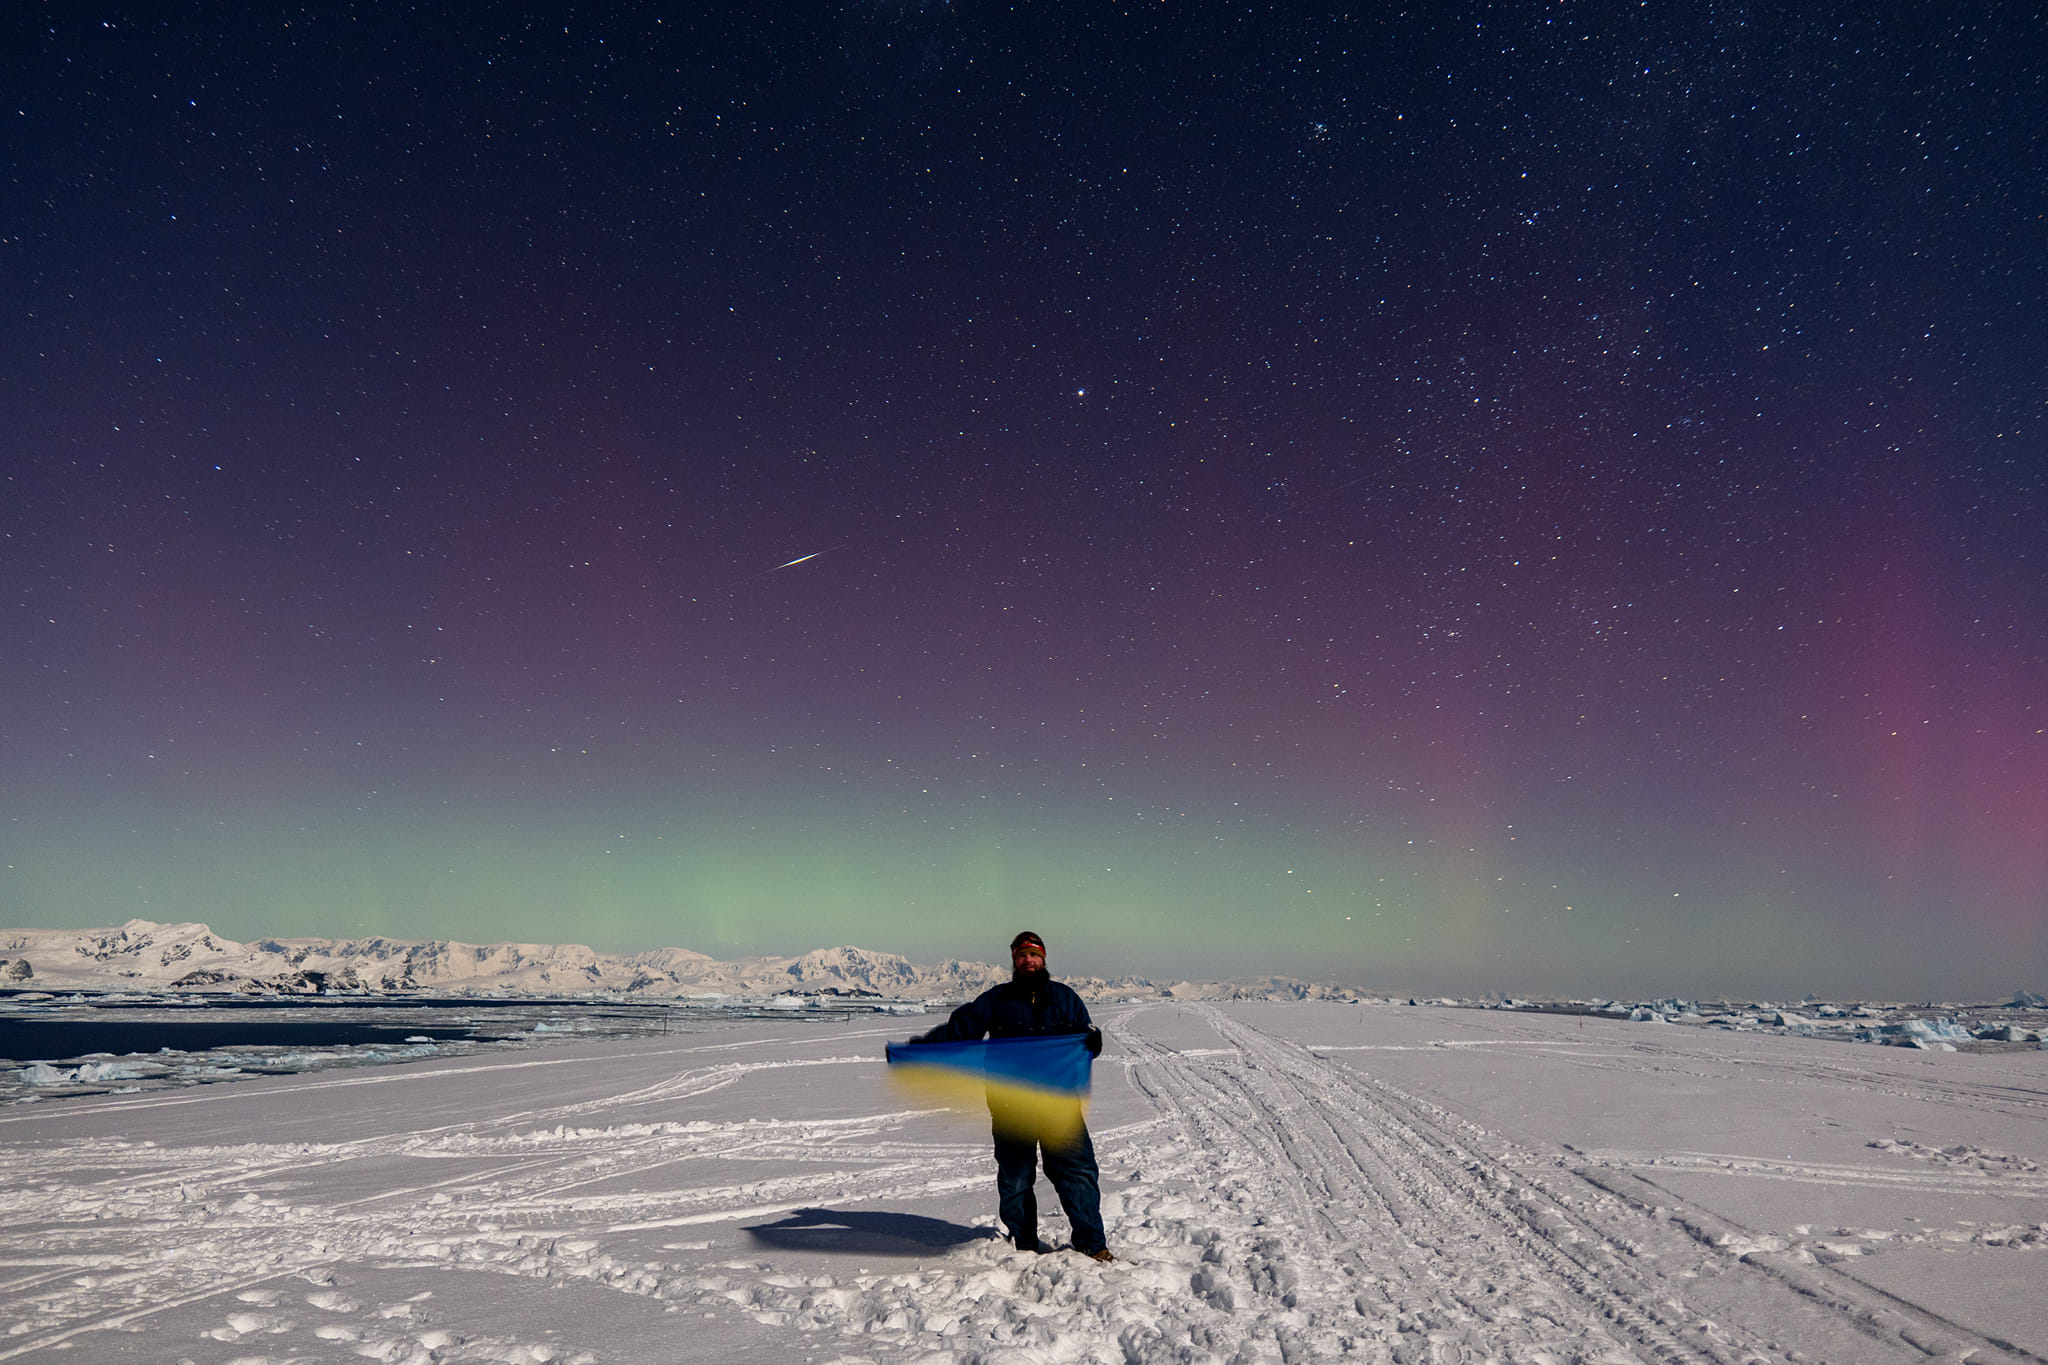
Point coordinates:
pixel 1524 498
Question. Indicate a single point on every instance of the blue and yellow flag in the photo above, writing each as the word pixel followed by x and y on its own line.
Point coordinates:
pixel 1036 1088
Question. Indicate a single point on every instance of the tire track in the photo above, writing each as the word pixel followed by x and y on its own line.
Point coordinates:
pixel 1415 1219
pixel 1625 1267
pixel 1854 1074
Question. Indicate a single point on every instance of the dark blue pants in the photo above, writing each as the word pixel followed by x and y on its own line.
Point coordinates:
pixel 1070 1168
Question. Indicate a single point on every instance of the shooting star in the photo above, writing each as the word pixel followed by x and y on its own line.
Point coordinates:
pixel 778 568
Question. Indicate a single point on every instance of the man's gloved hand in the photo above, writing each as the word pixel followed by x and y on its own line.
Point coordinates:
pixel 1095 1042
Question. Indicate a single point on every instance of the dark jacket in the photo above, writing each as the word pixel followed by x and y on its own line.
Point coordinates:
pixel 1015 1010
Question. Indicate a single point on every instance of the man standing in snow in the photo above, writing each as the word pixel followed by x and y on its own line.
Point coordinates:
pixel 1032 1004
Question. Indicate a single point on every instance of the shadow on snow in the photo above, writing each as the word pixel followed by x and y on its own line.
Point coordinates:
pixel 873 1234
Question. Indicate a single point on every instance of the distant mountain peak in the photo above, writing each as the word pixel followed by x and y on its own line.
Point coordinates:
pixel 141 954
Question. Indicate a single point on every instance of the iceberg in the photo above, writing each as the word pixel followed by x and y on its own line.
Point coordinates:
pixel 1938 1034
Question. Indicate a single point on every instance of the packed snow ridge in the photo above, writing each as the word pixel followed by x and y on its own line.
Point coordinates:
pixel 141 955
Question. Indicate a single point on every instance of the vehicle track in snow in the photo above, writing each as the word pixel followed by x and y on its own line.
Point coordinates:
pixel 1480 1252
pixel 1675 1052
pixel 1422 1245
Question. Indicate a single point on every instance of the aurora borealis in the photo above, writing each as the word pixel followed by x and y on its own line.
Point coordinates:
pixel 1526 498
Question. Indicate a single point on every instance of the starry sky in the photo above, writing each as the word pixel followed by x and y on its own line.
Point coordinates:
pixel 1536 498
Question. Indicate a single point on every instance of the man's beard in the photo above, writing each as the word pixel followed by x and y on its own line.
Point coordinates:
pixel 1028 976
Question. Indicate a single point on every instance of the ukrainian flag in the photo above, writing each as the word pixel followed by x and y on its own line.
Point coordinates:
pixel 1036 1088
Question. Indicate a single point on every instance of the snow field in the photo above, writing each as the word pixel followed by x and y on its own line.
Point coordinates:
pixel 1284 1183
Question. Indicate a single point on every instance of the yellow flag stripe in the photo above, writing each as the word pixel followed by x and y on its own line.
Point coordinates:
pixel 1023 1112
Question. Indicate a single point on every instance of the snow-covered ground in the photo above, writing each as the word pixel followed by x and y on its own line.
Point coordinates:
pixel 1284 1182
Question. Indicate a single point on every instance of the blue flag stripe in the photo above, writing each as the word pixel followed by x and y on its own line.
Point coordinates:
pixel 1059 1063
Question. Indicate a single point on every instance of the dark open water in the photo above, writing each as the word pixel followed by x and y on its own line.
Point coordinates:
pixel 64 1030
pixel 27 1040
pixel 58 1031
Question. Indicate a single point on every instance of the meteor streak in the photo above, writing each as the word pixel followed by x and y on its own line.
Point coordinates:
pixel 800 559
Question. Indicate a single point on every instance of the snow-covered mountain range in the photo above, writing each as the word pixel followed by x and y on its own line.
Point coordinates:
pixel 141 955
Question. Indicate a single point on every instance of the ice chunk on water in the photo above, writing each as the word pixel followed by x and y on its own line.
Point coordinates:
pixel 1928 1030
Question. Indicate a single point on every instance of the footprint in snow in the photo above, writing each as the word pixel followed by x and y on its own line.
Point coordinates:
pixel 240 1325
